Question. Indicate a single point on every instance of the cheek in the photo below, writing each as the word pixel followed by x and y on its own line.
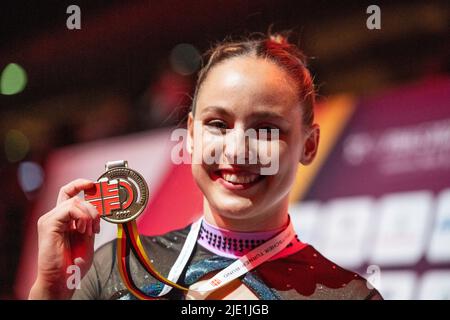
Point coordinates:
pixel 212 146
pixel 268 155
pixel 208 148
pixel 201 177
pixel 276 151
pixel 288 160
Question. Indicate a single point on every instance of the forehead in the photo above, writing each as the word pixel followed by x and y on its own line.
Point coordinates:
pixel 248 82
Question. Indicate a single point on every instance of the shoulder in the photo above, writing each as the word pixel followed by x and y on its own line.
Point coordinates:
pixel 107 251
pixel 174 239
pixel 105 255
pixel 104 277
pixel 308 274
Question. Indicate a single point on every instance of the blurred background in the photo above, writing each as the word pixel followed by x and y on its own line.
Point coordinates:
pixel 377 199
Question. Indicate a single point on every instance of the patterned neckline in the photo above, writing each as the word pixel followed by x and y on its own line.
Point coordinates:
pixel 234 244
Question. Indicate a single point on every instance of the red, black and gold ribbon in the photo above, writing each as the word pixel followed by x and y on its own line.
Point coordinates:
pixel 128 238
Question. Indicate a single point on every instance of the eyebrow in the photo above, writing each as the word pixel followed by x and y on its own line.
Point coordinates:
pixel 256 115
pixel 268 114
pixel 217 109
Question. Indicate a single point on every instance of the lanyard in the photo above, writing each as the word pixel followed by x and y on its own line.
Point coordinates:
pixel 184 256
pixel 128 238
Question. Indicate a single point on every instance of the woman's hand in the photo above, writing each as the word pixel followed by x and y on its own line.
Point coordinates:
pixel 66 237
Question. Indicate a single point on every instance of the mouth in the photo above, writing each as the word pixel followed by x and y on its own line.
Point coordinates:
pixel 236 179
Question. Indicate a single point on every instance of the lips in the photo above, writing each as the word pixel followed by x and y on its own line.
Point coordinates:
pixel 236 179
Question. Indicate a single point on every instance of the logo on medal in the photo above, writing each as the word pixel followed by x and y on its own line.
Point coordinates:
pixel 119 195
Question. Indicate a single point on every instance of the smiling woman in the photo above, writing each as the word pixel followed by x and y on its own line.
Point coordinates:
pixel 244 247
pixel 249 92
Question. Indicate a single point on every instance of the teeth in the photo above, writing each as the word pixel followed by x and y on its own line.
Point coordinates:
pixel 235 178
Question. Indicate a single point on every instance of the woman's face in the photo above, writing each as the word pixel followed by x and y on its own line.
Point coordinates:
pixel 238 95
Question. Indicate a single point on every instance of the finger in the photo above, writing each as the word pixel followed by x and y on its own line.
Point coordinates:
pixel 96 225
pixel 73 188
pixel 89 227
pixel 81 225
pixel 71 210
pixel 94 214
pixel 91 209
pixel 88 208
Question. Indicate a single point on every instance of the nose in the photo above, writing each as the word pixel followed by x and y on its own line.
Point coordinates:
pixel 238 147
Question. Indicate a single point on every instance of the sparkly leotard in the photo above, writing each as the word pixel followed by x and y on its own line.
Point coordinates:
pixel 297 272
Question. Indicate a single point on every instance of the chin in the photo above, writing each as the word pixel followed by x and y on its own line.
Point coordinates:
pixel 235 208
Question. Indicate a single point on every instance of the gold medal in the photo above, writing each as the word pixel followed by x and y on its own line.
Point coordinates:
pixel 120 194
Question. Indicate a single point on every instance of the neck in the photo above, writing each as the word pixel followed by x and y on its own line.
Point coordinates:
pixel 273 218
pixel 232 244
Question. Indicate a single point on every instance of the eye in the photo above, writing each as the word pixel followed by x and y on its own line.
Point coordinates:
pixel 267 127
pixel 217 125
pixel 265 131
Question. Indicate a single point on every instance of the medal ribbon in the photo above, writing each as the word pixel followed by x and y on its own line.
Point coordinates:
pixel 123 252
pixel 128 237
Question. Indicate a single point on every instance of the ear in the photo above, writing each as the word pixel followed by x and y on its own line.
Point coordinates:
pixel 311 145
pixel 190 136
